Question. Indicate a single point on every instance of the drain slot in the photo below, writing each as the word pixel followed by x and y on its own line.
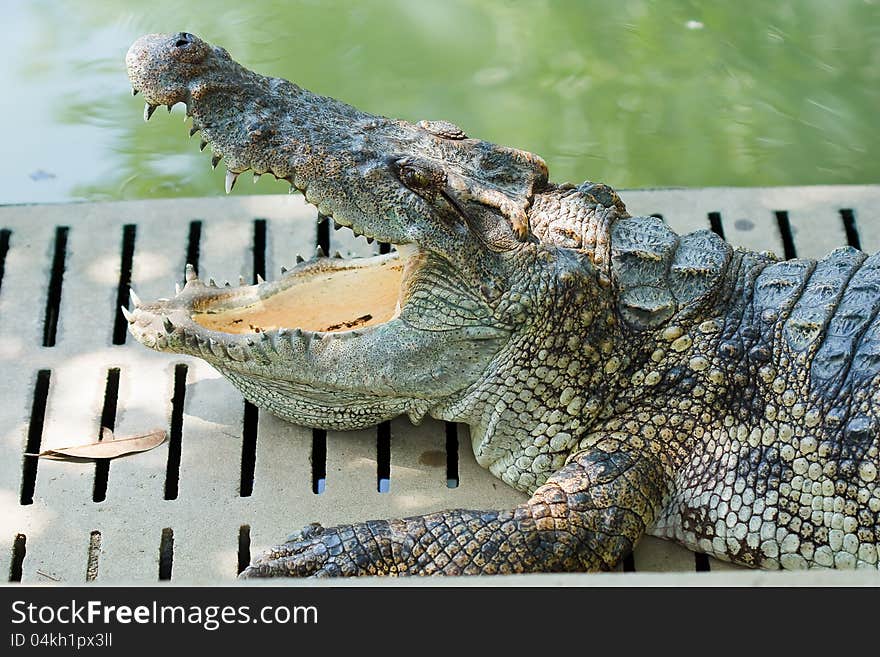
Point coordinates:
pixel 849 227
pixel 34 437
pixel 383 457
pixel 319 461
pixel 451 455
pixel 94 554
pixel 5 237
pixel 193 245
pixel 19 551
pixel 701 562
pixel 251 420
pixel 244 548
pixel 108 419
pixel 786 234
pixel 175 438
pixel 120 324
pixel 166 554
pixel 323 240
pixel 715 224
pixel 629 563
pixel 248 449
pixel 56 280
pixel 259 249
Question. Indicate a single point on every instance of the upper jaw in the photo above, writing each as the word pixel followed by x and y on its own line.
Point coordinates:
pixel 335 154
pixel 260 134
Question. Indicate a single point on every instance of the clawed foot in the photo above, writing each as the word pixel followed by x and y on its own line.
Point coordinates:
pixel 452 542
pixel 316 551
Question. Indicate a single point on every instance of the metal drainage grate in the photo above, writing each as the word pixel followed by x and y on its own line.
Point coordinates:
pixel 232 480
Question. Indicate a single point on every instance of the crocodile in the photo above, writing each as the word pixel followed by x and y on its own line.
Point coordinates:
pixel 630 380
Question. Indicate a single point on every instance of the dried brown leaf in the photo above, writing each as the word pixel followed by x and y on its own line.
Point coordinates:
pixel 108 448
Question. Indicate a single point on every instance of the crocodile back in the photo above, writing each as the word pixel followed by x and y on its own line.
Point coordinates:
pixel 787 474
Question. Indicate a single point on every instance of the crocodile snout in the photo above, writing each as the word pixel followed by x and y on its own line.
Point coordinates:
pixel 162 66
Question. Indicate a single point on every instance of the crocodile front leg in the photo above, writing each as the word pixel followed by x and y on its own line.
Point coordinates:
pixel 587 516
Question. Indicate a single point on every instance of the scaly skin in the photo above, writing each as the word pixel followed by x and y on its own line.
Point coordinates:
pixel 631 380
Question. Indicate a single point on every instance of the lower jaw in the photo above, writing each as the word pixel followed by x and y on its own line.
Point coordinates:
pixel 290 346
pixel 310 405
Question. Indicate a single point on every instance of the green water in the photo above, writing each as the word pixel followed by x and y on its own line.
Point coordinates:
pixel 633 93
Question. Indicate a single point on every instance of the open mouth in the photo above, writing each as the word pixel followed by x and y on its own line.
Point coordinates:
pixel 320 296
pixel 326 295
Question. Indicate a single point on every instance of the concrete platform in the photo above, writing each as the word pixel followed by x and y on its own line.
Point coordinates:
pixel 232 480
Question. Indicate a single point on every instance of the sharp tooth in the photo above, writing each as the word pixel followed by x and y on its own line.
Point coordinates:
pixel 241 280
pixel 212 282
pixel 169 108
pixel 319 253
pixel 337 254
pixel 169 326
pixel 191 273
pixel 260 280
pixel 299 258
pixel 134 92
pixel 177 288
pixel 231 177
pixel 215 160
pixel 193 130
pixel 134 298
pixel 127 314
pixel 202 145
pixel 369 240
pixel 283 270
pixel 148 111
pixel 336 225
pixel 256 177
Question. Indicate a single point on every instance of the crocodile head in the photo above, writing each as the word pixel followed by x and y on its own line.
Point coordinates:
pixel 382 177
pixel 344 343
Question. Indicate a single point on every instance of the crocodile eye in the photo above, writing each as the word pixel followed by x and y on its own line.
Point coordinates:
pixel 417 177
pixel 414 177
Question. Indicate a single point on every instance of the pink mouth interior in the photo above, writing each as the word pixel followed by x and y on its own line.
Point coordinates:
pixel 328 301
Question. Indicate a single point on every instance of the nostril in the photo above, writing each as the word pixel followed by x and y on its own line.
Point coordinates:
pixel 183 40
